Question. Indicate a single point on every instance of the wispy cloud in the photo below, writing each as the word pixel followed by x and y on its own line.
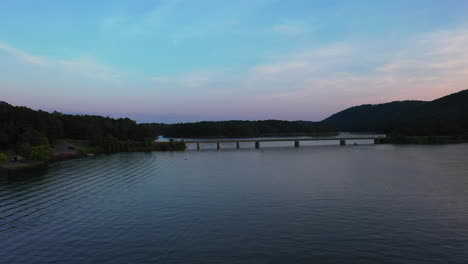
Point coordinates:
pixel 195 79
pixel 154 24
pixel 435 63
pixel 83 65
pixel 151 22
pixel 429 66
pixel 301 84
pixel 291 28
pixel 88 67
pixel 278 68
pixel 29 58
pixel 329 78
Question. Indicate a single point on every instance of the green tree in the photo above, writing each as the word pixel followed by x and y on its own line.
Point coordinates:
pixel 41 153
pixel 24 149
pixel 33 137
pixel 3 158
pixel 4 140
pixel 110 144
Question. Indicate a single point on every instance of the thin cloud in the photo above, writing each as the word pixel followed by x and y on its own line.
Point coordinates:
pixel 300 82
pixel 151 22
pixel 84 65
pixel 429 66
pixel 36 60
pixel 195 79
pixel 345 74
pixel 350 73
pixel 291 29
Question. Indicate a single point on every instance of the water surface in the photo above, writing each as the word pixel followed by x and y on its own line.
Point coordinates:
pixel 316 204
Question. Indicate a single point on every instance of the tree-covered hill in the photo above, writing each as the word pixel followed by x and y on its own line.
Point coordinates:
pixel 372 118
pixel 444 116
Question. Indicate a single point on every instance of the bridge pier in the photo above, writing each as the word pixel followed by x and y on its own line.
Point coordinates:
pixel 237 145
pixel 218 145
pixel 296 143
pixel 257 144
pixel 342 142
pixel 198 146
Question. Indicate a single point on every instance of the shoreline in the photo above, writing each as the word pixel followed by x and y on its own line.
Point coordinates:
pixel 424 140
pixel 82 152
pixel 83 148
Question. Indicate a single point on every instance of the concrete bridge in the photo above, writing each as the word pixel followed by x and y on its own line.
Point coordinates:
pixel 296 141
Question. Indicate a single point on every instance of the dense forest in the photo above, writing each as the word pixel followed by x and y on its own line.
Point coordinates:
pixel 446 116
pixel 22 129
pixel 380 118
pixel 243 129
pixel 31 133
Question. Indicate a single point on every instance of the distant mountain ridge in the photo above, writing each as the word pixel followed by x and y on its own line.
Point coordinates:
pixel 371 118
pixel 444 116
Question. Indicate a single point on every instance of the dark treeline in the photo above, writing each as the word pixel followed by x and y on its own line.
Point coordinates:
pixel 231 129
pixel 31 133
pixel 446 116
pixel 380 118
pixel 22 128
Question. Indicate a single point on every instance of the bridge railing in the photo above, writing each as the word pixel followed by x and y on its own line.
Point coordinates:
pixel 336 137
pixel 341 138
pixel 361 135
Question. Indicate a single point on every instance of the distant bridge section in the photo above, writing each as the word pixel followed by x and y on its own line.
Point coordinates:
pixel 296 141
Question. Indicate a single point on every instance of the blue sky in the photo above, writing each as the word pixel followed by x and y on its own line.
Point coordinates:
pixel 187 60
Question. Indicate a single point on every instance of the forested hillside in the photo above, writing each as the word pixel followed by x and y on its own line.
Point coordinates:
pixel 445 116
pixel 372 118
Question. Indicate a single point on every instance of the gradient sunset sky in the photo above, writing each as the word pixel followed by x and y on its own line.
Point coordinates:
pixel 192 60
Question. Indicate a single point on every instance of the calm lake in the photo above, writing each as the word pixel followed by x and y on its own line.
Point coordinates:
pixel 313 204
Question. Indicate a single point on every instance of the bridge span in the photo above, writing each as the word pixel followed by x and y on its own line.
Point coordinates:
pixel 296 141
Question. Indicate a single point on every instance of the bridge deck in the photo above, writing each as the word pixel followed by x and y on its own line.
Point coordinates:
pixel 353 137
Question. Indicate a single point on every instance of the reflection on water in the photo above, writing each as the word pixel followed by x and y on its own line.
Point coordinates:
pixel 27 201
pixel 324 204
pixel 23 177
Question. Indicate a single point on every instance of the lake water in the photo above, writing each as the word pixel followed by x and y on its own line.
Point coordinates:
pixel 316 204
